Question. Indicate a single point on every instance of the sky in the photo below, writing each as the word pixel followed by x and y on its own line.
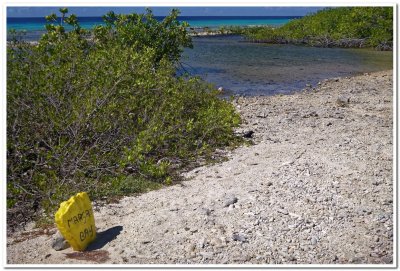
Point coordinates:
pixel 162 11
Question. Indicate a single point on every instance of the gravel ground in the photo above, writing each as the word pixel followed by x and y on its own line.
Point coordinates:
pixel 315 188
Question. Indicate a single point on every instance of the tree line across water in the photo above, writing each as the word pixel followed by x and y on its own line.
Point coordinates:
pixel 330 27
pixel 356 27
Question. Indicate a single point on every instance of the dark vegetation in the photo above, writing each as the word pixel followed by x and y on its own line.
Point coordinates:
pixel 356 27
pixel 102 111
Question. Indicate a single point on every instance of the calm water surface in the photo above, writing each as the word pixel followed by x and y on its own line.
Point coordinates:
pixel 263 69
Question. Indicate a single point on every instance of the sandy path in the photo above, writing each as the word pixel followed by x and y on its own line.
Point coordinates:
pixel 317 187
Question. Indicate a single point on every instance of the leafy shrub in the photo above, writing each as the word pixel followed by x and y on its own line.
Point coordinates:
pixel 345 27
pixel 103 112
pixel 143 30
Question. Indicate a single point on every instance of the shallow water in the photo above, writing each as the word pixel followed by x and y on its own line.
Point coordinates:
pixel 266 69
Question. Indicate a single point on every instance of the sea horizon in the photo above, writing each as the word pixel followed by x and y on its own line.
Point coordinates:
pixel 87 22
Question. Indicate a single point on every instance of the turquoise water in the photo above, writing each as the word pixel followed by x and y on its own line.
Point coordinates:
pixel 37 23
pixel 35 27
pixel 216 22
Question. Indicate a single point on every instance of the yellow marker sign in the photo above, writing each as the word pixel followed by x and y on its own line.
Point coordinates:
pixel 75 221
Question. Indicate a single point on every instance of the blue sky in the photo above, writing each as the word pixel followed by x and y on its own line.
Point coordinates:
pixel 161 11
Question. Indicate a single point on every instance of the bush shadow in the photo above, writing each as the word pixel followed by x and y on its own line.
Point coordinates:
pixel 104 237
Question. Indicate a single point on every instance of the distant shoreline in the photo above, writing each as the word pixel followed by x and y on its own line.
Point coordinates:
pixel 192 34
pixel 34 24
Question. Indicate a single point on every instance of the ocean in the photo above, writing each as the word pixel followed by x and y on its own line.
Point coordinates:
pixel 35 26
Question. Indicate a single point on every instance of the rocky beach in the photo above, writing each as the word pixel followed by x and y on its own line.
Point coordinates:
pixel 314 187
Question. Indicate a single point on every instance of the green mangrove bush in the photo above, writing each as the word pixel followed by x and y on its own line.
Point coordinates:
pixel 342 27
pixel 103 111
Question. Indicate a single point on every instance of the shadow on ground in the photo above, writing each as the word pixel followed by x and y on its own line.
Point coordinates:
pixel 104 237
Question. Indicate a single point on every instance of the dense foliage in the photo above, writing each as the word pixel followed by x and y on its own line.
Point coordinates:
pixel 103 112
pixel 343 27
